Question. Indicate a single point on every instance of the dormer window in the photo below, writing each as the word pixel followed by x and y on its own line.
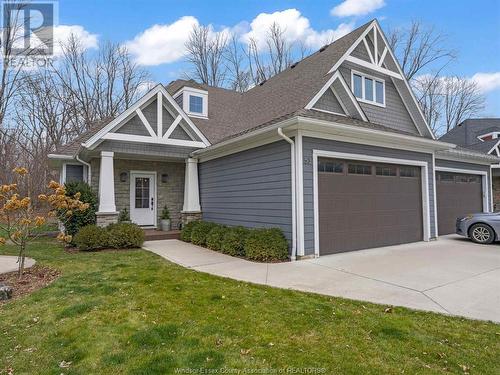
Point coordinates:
pixel 368 89
pixel 193 101
pixel 195 104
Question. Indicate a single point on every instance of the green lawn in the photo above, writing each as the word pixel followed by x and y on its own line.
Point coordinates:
pixel 132 312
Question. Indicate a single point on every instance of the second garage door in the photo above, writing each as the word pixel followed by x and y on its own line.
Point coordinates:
pixel 363 205
pixel 457 195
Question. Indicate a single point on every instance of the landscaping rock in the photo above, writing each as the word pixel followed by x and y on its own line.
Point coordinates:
pixel 5 292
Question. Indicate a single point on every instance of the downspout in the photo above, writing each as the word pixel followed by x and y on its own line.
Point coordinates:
pixel 89 175
pixel 294 196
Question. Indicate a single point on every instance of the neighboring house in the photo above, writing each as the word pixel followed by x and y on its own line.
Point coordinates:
pixel 481 135
pixel 334 151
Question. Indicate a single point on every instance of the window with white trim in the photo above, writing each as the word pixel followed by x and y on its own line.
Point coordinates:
pixel 368 89
pixel 195 104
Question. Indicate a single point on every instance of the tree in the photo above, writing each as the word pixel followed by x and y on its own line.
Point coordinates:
pixel 205 53
pixel 19 218
pixel 418 48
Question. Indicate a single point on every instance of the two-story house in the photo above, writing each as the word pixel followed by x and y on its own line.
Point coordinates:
pixel 334 151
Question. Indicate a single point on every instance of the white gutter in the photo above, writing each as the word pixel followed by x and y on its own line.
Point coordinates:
pixel 89 174
pixel 294 196
pixel 60 157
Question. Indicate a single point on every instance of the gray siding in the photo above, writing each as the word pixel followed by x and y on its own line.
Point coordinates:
pixel 145 149
pixel 310 144
pixel 328 102
pixel 134 126
pixel 471 166
pixel 394 114
pixel 361 53
pixel 251 188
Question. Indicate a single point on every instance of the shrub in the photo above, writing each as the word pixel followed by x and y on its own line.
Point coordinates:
pixel 215 237
pixel 125 236
pixel 234 240
pixel 187 230
pixel 91 237
pixel 200 232
pixel 79 219
pixel 266 245
pixel 124 216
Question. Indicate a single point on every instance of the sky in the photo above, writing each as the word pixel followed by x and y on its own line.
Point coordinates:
pixel 155 31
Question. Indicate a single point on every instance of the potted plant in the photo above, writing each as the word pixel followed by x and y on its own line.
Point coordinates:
pixel 124 216
pixel 165 219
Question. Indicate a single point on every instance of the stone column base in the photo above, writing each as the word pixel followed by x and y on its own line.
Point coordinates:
pixel 187 217
pixel 105 218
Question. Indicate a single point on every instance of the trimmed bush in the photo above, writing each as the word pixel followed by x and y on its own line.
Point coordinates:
pixel 234 241
pixel 80 219
pixel 200 232
pixel 125 236
pixel 91 237
pixel 116 236
pixel 215 237
pixel 187 229
pixel 266 245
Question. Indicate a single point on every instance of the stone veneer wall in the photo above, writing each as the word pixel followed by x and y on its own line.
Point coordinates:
pixel 170 193
pixel 496 192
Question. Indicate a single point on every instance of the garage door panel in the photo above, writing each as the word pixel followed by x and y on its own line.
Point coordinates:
pixel 364 211
pixel 457 194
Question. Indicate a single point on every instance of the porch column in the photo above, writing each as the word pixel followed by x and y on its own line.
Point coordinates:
pixel 191 210
pixel 107 209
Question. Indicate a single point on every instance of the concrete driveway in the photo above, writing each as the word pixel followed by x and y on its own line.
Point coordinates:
pixel 9 263
pixel 450 276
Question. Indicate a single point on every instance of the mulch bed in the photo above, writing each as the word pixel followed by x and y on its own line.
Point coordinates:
pixel 33 278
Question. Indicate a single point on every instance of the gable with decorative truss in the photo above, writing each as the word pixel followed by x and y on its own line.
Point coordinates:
pixel 156 119
pixel 390 100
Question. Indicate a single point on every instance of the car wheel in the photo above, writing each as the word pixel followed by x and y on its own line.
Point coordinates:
pixel 481 233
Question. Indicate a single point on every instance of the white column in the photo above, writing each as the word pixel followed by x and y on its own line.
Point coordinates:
pixel 106 183
pixel 191 189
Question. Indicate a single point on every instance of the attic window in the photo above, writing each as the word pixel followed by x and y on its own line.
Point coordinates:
pixel 368 89
pixel 195 104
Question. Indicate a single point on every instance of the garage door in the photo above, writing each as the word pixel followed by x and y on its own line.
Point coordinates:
pixel 457 194
pixel 364 205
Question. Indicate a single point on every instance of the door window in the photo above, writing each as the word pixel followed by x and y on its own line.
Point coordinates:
pixel 142 192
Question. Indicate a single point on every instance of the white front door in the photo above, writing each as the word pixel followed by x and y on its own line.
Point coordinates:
pixel 143 198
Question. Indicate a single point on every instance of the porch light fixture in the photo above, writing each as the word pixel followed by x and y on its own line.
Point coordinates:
pixel 164 178
pixel 123 177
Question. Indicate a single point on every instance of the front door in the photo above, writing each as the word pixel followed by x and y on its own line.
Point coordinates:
pixel 142 198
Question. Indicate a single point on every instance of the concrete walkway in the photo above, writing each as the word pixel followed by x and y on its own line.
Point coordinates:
pixel 9 263
pixel 450 276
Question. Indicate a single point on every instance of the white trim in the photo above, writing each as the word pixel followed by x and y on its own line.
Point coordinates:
pixel 299 175
pixel 328 84
pixel 159 110
pixel 132 195
pixel 374 67
pixel 368 49
pixel 62 177
pixel 375 46
pixel 326 111
pixel 484 182
pixel 494 135
pixel 435 195
pixel 374 24
pixel 349 156
pixel 144 139
pixel 60 157
pixel 381 61
pixel 146 99
pixel 145 122
pixel 494 147
pixel 363 88
pixel 172 127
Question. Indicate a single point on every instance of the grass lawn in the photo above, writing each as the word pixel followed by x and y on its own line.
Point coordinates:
pixel 132 312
